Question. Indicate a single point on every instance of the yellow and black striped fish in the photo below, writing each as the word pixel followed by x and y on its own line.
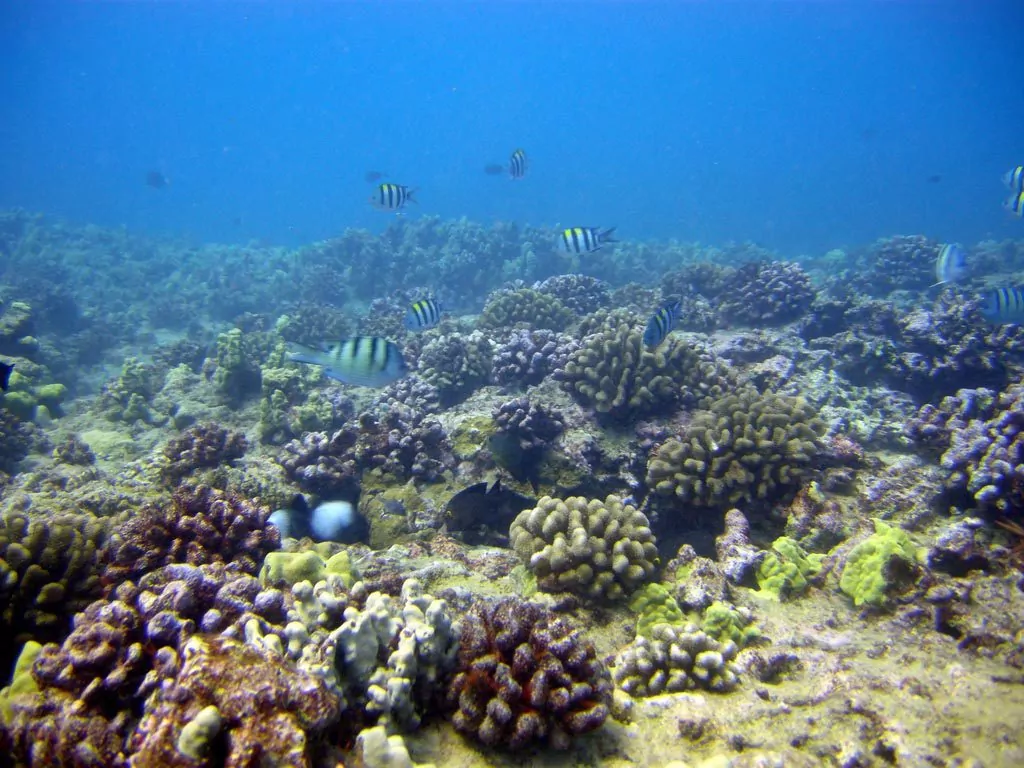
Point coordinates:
pixel 585 239
pixel 365 361
pixel 661 324
pixel 392 197
pixel 1015 205
pixel 517 164
pixel 423 314
pixel 1014 179
pixel 1004 305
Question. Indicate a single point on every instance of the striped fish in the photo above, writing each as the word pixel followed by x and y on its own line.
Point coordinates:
pixel 1014 179
pixel 517 164
pixel 585 239
pixel 365 361
pixel 1004 305
pixel 392 197
pixel 951 264
pixel 423 314
pixel 661 324
pixel 1015 205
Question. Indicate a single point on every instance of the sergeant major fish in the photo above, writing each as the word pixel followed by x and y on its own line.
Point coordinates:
pixel 661 324
pixel 950 264
pixel 1004 305
pixel 392 197
pixel 1015 205
pixel 423 314
pixel 516 167
pixel 365 361
pixel 1014 179
pixel 585 239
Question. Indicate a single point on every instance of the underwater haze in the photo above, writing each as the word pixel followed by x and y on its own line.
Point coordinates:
pixel 799 125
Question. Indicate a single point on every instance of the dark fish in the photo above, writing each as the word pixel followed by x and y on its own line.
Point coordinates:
pixel 494 169
pixel 1004 305
pixel 5 375
pixel 482 513
pixel 392 197
pixel 935 178
pixel 372 176
pixel 423 314
pixel 157 180
pixel 585 239
pixel 661 324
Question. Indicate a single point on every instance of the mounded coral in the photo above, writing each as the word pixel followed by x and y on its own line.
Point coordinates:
pixel 618 376
pixel 582 294
pixel 205 446
pixel 673 660
pixel 525 676
pixel 48 572
pixel 599 549
pixel 767 292
pixel 201 525
pixel 456 363
pixel 878 565
pixel 745 446
pixel 524 306
pixel 527 357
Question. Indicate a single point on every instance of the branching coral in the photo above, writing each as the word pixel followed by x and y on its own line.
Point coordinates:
pixel 202 447
pixel 600 549
pixel 525 676
pixel 674 660
pixel 582 294
pixel 745 446
pixel 456 364
pixel 526 357
pixel 766 293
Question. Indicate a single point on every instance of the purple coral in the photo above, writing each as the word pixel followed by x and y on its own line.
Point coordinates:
pixel 526 357
pixel 526 676
pixel 534 425
pixel 202 446
pixel 580 293
pixel 767 292
pixel 201 525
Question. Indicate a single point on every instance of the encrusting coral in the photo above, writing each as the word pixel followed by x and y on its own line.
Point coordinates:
pixel 599 549
pixel 526 676
pixel 745 446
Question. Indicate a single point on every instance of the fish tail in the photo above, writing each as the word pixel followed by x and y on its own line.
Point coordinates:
pixel 300 353
pixel 410 195
pixel 608 235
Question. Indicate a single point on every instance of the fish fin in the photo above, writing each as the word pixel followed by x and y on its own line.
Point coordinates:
pixel 409 195
pixel 606 236
pixel 5 375
pixel 941 282
pixel 300 353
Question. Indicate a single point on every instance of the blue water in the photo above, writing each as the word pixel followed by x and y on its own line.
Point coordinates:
pixel 802 126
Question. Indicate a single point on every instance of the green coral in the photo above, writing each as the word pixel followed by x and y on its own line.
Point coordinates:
pixel 785 570
pixel 599 549
pixel 525 307
pixel 745 446
pixel 25 397
pixel 654 605
pixel 724 622
pixel 312 565
pixel 237 374
pixel 129 397
pixel 878 565
pixel 22 681
pixel 614 373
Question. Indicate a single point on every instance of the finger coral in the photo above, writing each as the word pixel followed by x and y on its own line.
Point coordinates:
pixel 526 676
pixel 600 549
pixel 673 660
pixel 204 446
pixel 524 307
pixel 745 446
pixel 767 292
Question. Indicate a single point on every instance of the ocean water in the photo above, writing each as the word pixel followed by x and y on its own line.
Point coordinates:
pixel 742 487
pixel 799 125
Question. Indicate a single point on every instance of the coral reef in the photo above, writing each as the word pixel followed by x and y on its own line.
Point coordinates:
pixel 767 292
pixel 524 307
pixel 746 446
pixel 201 525
pixel 673 660
pixel 616 375
pixel 533 425
pixel 878 565
pixel 581 294
pixel 204 446
pixel 525 676
pixel 456 363
pixel 599 549
pixel 527 357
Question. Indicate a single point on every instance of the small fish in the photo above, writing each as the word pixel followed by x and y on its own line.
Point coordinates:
pixel 951 264
pixel 392 197
pixel 1015 205
pixel 517 164
pixel 494 169
pixel 1004 305
pixel 661 324
pixel 1014 179
pixel 365 361
pixel 585 239
pixel 423 314
pixel 5 375
pixel 372 176
pixel 157 180
pixel 935 178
